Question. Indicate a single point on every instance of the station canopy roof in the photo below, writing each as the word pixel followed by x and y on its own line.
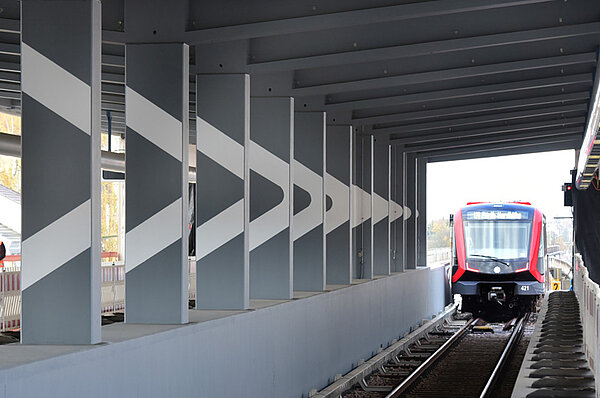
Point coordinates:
pixel 446 79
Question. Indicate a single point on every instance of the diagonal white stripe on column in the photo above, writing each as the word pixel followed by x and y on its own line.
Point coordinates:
pixel 56 88
pixel 311 216
pixel 277 219
pixel 153 123
pixel 407 212
pixel 380 208
pixel 395 211
pixel 220 229
pixel 219 147
pixel 339 212
pixel 153 235
pixel 56 244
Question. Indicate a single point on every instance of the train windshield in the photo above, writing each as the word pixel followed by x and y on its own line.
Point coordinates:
pixel 497 241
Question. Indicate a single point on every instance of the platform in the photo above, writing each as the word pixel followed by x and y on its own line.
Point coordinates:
pixel 280 349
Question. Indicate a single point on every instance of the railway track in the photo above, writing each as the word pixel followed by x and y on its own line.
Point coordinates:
pixel 457 360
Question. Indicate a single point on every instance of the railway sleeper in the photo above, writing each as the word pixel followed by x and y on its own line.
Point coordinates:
pixel 406 362
pixel 391 375
pixel 365 387
pixel 403 373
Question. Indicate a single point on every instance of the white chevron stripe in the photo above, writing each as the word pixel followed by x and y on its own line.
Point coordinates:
pixel 56 88
pixel 56 244
pixel 220 229
pixel 153 123
pixel 277 219
pixel 362 206
pixel 153 235
pixel 395 211
pixel 407 212
pixel 312 216
pixel 219 147
pixel 380 208
pixel 339 212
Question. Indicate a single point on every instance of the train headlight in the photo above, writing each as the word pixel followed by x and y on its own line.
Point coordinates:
pixel 497 269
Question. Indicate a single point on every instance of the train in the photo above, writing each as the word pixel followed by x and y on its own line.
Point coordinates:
pixel 499 259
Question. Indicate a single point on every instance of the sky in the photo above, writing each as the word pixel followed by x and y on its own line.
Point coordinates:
pixel 535 178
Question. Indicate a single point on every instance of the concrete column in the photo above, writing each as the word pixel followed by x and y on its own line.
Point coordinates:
pixel 60 83
pixel 222 216
pixel 362 233
pixel 338 204
pixel 156 183
pixel 271 196
pixel 308 230
pixel 380 210
pixel 410 256
pixel 421 212
pixel 396 209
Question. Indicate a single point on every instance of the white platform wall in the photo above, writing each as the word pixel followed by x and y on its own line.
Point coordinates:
pixel 280 351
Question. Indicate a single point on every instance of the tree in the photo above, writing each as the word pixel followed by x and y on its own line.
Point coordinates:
pixel 438 233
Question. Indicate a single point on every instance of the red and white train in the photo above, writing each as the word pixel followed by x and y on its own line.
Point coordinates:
pixel 499 256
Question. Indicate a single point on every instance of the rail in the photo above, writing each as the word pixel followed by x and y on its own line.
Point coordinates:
pixel 588 295
pixel 113 287
pixel 398 390
pixel 513 341
pixel 509 348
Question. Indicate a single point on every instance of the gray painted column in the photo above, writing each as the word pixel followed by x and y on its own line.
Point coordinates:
pixel 396 209
pixel 308 231
pixel 338 180
pixel 222 131
pixel 271 196
pixel 156 183
pixel 380 210
pixel 362 233
pixel 60 83
pixel 421 212
pixel 410 255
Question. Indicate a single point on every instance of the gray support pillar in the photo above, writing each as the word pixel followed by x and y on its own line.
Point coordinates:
pixel 380 210
pixel 271 196
pixel 60 83
pixel 362 233
pixel 396 209
pixel 410 256
pixel 308 231
pixel 421 212
pixel 222 131
pixel 156 183
pixel 338 180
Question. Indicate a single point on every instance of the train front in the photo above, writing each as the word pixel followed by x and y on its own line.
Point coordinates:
pixel 499 252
